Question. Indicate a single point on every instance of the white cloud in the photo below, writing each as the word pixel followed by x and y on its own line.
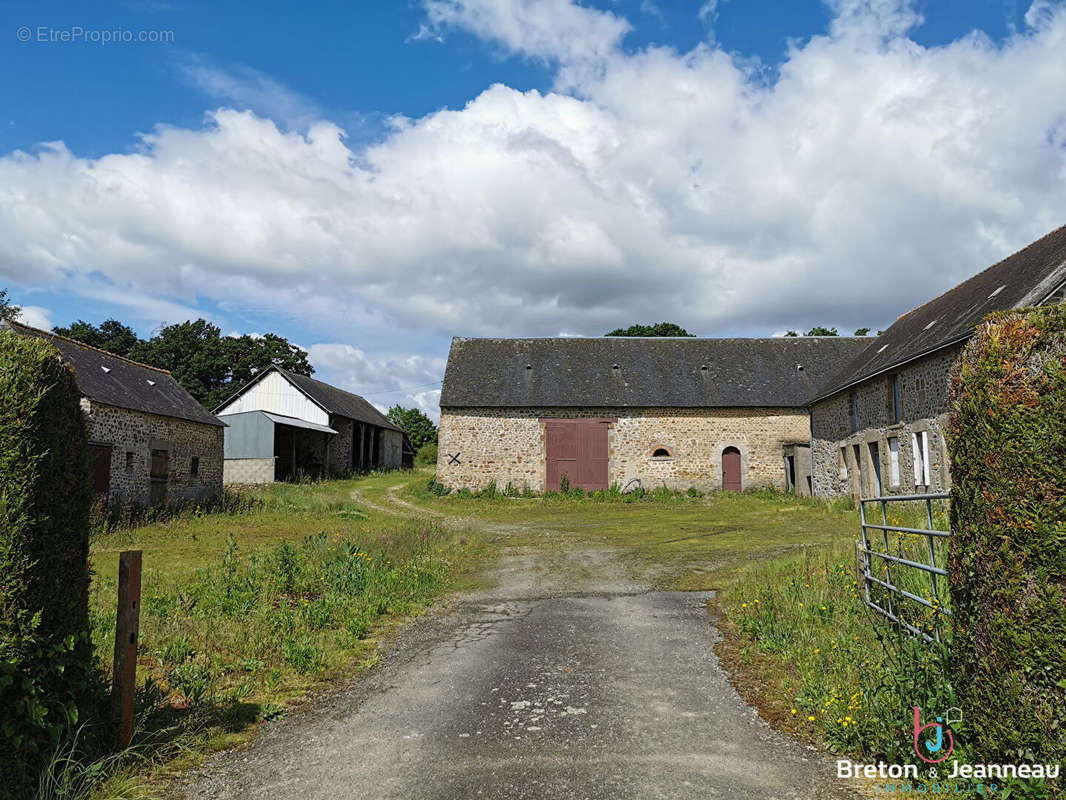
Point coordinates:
pixel 385 380
pixel 870 175
pixel 36 317
pixel 562 32
pixel 249 88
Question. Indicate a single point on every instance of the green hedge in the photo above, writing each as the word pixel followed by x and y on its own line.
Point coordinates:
pixel 47 677
pixel 1007 439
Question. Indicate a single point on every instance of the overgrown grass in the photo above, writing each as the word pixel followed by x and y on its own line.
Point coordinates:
pixel 243 611
pixel 817 661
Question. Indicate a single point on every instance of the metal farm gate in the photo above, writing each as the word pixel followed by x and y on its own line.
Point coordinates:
pixel 901 564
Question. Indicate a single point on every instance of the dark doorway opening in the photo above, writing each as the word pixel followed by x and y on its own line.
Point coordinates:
pixel 100 454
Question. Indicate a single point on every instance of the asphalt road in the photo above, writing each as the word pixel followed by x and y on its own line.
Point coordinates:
pixel 534 689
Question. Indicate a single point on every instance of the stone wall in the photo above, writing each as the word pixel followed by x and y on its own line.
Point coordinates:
pixel 248 470
pixel 133 435
pixel 506 445
pixel 340 446
pixel 923 397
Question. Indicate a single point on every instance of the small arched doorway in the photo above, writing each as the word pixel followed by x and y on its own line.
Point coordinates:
pixel 731 470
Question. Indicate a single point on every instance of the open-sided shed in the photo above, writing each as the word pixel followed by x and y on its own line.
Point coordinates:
pixel 282 426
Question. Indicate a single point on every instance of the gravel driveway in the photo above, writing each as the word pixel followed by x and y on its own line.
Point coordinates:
pixel 544 686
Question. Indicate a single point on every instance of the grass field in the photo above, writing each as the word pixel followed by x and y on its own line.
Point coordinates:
pixel 244 612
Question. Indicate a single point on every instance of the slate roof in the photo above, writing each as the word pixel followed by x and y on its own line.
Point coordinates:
pixel 116 381
pixel 332 400
pixel 651 372
pixel 1025 278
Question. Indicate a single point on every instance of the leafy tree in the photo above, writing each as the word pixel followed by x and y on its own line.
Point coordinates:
pixel 250 355
pixel 419 428
pixel 211 366
pixel 8 312
pixel 658 329
pixel 111 335
pixel 862 332
pixel 819 330
pixel 792 333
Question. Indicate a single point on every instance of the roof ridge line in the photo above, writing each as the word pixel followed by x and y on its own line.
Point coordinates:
pixel 89 347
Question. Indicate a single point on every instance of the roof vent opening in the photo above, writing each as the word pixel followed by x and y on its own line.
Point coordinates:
pixel 106 369
pixel 615 366
pixel 930 325
pixel 150 383
pixel 1000 289
pixel 704 368
pixel 799 367
pixel 529 366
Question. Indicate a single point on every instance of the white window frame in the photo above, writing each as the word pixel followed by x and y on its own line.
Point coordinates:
pixel 920 446
pixel 893 461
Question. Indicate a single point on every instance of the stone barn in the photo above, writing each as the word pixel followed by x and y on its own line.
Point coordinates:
pixel 282 426
pixel 878 424
pixel 677 412
pixel 151 442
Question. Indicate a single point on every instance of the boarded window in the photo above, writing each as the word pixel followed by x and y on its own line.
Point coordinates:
pixel 920 446
pixel 893 460
pixel 129 461
pixel 160 464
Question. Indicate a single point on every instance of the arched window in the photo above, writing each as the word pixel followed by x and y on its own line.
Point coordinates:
pixel 661 452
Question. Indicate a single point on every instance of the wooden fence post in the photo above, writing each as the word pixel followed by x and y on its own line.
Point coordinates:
pixel 127 624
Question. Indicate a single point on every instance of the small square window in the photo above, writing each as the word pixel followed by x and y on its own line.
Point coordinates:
pixel 194 467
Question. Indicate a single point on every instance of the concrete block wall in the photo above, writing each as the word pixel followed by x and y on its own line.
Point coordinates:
pixel 248 470
pixel 138 433
pixel 924 395
pixel 506 445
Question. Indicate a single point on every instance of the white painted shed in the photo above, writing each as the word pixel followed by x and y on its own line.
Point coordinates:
pixel 284 426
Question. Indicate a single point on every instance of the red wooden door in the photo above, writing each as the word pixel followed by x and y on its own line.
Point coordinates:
pixel 562 449
pixel 731 481
pixel 578 450
pixel 101 466
pixel 592 456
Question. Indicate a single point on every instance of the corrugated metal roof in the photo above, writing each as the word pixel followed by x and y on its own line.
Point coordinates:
pixel 281 419
pixel 642 372
pixel 116 381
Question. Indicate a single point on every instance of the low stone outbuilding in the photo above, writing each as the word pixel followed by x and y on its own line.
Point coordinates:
pixel 283 426
pixel 151 442
pixel 878 424
pixel 676 412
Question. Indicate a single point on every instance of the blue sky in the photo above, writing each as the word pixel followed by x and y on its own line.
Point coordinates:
pixel 346 175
